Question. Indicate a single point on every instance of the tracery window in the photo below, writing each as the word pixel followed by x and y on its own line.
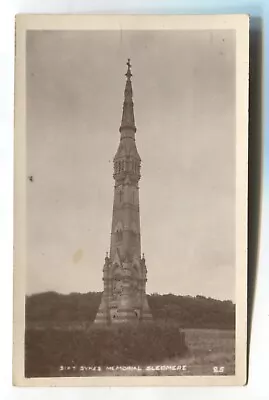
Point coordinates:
pixel 119 235
pixel 118 231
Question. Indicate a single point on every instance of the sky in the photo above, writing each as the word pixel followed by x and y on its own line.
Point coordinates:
pixel 184 103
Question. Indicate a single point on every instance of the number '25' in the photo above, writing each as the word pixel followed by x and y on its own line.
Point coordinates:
pixel 218 370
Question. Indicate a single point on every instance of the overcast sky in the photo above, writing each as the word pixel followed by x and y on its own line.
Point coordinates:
pixel 184 104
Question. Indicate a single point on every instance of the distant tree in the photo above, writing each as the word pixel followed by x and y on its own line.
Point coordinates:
pixel 187 311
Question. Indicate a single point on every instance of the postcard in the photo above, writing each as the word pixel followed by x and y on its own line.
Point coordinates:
pixel 130 235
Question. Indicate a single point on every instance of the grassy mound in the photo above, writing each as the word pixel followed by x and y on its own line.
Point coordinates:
pixel 46 351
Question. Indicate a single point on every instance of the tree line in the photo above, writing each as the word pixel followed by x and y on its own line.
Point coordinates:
pixel 188 312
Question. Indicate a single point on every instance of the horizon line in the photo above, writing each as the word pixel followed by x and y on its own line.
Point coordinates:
pixel 149 294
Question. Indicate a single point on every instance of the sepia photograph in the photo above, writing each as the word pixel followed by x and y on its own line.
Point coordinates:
pixel 130 200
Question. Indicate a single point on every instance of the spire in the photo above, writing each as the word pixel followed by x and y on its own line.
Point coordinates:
pixel 127 127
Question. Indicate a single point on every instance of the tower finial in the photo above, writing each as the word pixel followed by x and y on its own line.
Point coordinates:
pixel 129 73
pixel 127 127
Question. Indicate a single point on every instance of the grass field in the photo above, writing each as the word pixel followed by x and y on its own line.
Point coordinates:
pixel 210 352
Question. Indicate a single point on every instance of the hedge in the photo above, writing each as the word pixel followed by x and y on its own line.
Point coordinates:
pixel 124 345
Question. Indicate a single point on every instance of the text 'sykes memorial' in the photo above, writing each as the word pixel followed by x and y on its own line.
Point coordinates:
pixel 125 273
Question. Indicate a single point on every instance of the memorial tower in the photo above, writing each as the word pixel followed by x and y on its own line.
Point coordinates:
pixel 124 273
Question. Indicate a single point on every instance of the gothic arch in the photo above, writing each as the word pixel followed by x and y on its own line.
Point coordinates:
pixel 115 269
pixel 118 227
pixel 119 231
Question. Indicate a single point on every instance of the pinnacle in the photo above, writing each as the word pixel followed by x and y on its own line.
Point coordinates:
pixel 128 121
